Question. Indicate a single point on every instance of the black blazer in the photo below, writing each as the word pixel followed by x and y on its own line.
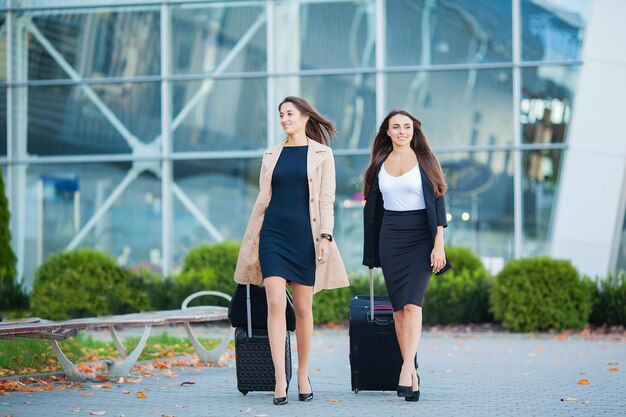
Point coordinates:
pixel 373 219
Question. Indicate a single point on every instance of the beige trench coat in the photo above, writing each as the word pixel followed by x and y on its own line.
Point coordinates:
pixel 321 173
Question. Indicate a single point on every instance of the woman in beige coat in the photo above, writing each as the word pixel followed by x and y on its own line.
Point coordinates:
pixel 289 238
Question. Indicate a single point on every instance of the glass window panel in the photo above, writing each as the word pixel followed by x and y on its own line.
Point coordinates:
pixel 553 29
pixel 217 115
pixel 427 32
pixel 25 4
pixel 335 35
pixel 223 191
pixel 540 181
pixel 457 108
pixel 61 199
pixel 65 120
pixel 349 209
pixel 479 202
pixel 621 255
pixel 3 121
pixel 546 107
pixel 95 43
pixel 3 46
pixel 205 36
pixel 348 100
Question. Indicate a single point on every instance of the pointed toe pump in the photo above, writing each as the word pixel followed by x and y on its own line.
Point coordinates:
pixel 282 400
pixel 415 395
pixel 306 397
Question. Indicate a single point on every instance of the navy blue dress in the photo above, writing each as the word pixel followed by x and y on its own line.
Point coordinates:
pixel 286 243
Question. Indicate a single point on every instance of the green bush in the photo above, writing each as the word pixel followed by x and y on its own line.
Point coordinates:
pixel 84 283
pixel 12 295
pixel 535 294
pixel 461 295
pixel 334 305
pixel 609 300
pixel 210 267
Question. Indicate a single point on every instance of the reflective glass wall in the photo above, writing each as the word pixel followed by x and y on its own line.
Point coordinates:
pixel 137 127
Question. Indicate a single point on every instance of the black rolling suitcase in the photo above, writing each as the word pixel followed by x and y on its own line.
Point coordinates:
pixel 255 370
pixel 375 358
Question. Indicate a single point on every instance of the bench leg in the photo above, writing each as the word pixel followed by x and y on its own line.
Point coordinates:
pixel 118 342
pixel 72 373
pixel 208 356
pixel 123 368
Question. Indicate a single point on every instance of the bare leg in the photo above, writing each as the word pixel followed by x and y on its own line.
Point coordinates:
pixel 277 330
pixel 303 305
pixel 411 330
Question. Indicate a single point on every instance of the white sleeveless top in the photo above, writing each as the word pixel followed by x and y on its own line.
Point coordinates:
pixel 403 193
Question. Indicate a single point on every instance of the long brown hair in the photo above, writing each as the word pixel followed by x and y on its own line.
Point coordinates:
pixel 382 147
pixel 318 127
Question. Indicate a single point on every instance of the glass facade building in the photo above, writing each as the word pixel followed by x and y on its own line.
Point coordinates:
pixel 137 127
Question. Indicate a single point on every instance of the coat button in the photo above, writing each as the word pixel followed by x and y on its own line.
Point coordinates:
pixel 311 200
pixel 310 179
pixel 317 239
pixel 313 218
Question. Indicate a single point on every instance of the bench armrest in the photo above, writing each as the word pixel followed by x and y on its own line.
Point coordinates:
pixel 195 295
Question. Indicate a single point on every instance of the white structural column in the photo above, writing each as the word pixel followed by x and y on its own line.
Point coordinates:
pixel 285 58
pixel 589 211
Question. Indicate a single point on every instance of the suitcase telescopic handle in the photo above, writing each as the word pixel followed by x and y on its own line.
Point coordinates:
pixel 371 295
pixel 248 311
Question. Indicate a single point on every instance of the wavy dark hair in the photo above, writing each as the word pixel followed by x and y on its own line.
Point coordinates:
pixel 382 147
pixel 318 127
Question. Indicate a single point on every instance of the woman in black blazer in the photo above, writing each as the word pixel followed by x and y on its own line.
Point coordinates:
pixel 404 217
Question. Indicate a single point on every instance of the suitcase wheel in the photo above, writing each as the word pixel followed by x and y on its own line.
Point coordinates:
pixel 243 391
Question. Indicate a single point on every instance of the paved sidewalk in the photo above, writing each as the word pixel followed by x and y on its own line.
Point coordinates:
pixel 478 374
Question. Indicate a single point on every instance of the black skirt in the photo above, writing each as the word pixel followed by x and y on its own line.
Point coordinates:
pixel 405 247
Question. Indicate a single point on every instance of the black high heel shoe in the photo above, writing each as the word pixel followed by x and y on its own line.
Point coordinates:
pixel 415 395
pixel 282 400
pixel 405 391
pixel 306 397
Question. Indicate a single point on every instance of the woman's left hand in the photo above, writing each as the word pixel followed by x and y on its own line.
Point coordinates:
pixel 322 255
pixel 437 258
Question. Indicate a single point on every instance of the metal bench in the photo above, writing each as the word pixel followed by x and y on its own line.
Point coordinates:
pixel 54 331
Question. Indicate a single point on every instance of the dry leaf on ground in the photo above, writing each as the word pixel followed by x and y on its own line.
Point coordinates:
pixel 141 395
pixel 187 383
pixel 583 382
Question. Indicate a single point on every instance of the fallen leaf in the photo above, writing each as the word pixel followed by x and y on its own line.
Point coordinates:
pixel 583 382
pixel 141 395
pixel 86 394
pixel 332 400
pixel 187 383
pixel 569 400
pixel 120 380
pixel 613 369
pixel 245 410
pixel 125 392
pixel 97 413
pixel 101 386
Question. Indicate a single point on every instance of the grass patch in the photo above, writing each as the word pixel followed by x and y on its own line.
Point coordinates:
pixel 29 356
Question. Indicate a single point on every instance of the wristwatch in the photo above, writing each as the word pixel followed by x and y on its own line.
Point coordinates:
pixel 327 237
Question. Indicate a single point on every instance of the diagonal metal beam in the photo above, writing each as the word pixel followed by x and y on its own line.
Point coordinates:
pixel 207 85
pixel 197 213
pixel 89 92
pixel 132 174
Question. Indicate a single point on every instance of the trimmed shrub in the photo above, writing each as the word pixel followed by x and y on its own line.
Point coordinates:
pixel 609 300
pixel 536 294
pixel 331 305
pixel 12 295
pixel 334 305
pixel 210 267
pixel 84 283
pixel 461 295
